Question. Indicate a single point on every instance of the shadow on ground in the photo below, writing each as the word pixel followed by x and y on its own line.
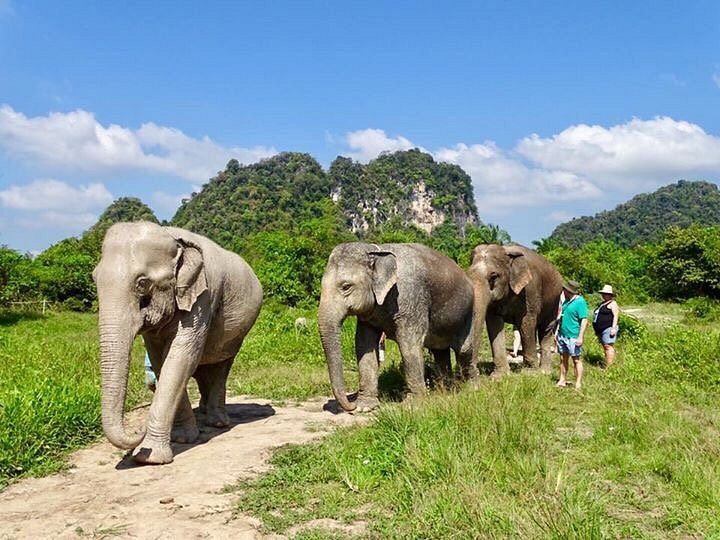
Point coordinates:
pixel 8 318
pixel 239 413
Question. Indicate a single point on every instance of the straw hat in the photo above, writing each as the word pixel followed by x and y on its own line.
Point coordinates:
pixel 571 286
pixel 607 289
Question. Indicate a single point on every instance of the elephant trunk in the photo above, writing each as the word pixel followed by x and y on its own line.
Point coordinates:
pixel 116 340
pixel 330 324
pixel 481 300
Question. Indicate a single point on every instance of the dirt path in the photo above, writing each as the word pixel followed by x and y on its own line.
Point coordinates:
pixel 103 495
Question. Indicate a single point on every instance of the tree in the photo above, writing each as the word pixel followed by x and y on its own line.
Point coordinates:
pixel 687 263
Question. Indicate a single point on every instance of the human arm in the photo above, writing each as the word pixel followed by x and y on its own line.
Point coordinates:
pixel 616 317
pixel 581 338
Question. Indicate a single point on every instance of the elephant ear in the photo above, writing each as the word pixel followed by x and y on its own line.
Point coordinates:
pixel 383 266
pixel 520 274
pixel 189 274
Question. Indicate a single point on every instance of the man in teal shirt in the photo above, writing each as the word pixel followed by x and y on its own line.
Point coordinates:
pixel 571 332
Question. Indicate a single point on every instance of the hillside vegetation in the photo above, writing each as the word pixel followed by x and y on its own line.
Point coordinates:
pixel 646 217
pixel 405 189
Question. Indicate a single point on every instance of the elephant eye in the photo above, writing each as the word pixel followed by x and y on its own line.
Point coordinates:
pixel 492 278
pixel 346 286
pixel 143 284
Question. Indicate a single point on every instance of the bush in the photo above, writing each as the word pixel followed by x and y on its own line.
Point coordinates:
pixel 702 308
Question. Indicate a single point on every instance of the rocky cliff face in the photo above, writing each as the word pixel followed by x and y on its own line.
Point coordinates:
pixel 407 188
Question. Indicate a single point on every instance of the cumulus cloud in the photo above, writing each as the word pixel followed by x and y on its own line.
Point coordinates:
pixel 55 195
pixel 168 202
pixel 637 154
pixel 367 144
pixel 76 140
pixel 62 220
pixel 582 162
pixel 502 181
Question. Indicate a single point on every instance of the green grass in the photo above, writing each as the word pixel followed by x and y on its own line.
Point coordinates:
pixel 50 389
pixel 50 379
pixel 637 454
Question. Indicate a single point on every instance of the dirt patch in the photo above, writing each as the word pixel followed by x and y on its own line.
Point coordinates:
pixel 105 495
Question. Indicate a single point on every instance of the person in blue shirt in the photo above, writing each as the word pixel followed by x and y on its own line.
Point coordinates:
pixel 571 332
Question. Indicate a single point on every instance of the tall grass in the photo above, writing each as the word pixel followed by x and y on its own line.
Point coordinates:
pixel 50 389
pixel 636 455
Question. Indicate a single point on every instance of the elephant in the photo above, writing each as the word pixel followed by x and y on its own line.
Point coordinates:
pixel 514 284
pixel 193 303
pixel 415 295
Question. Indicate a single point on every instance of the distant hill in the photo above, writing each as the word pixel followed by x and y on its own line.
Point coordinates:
pixel 122 209
pixel 245 199
pixel 408 187
pixel 645 217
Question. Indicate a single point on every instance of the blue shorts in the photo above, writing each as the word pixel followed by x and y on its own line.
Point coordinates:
pixel 567 345
pixel 605 338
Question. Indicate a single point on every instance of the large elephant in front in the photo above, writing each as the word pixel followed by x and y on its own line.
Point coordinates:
pixel 193 302
pixel 514 284
pixel 415 295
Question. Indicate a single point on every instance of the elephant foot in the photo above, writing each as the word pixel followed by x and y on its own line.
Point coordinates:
pixel 217 418
pixel 153 452
pixel 365 404
pixel 498 374
pixel 185 434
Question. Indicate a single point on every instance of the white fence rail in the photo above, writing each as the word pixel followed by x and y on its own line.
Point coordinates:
pixel 42 304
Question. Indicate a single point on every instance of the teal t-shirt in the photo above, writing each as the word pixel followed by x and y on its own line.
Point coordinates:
pixel 573 311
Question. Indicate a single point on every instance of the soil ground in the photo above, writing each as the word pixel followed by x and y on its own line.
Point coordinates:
pixel 105 495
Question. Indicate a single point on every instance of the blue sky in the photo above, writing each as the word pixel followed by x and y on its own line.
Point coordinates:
pixel 556 109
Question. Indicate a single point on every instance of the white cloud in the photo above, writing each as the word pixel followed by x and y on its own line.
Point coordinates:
pixel 716 78
pixel 367 144
pixel 57 220
pixel 76 140
pixel 168 202
pixel 55 195
pixel 559 216
pixel 504 182
pixel 639 154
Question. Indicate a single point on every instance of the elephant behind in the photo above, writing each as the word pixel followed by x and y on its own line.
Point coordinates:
pixel 415 295
pixel 193 302
pixel 514 284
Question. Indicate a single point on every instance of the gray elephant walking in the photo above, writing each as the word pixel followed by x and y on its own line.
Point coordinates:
pixel 514 284
pixel 193 302
pixel 415 295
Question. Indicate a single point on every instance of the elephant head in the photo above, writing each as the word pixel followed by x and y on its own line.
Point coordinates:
pixel 497 273
pixel 357 279
pixel 144 277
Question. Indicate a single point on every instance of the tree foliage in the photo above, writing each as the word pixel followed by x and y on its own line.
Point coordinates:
pixel 687 263
pixel 401 189
pixel 646 217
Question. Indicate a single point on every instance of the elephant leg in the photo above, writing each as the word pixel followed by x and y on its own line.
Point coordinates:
pixel 367 340
pixel 184 429
pixel 182 359
pixel 528 332
pixel 468 369
pixel 212 382
pixel 496 333
pixel 547 337
pixel 411 349
pixel 443 365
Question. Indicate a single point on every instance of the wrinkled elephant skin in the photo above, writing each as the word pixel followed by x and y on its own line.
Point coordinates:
pixel 193 302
